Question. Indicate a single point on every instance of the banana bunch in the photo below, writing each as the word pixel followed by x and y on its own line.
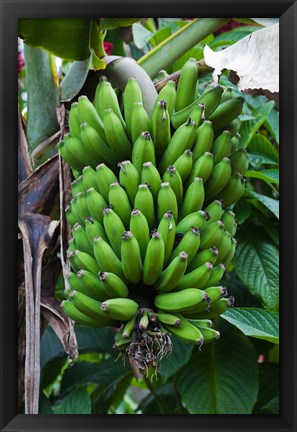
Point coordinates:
pixel 151 218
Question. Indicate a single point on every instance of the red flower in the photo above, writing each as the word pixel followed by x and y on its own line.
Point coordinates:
pixel 108 47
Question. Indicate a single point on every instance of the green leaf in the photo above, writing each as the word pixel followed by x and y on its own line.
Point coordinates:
pixel 68 38
pixel 272 124
pixel 269 385
pixel 163 401
pixel 270 203
pixel 262 147
pixel 272 406
pixel 75 78
pixel 250 127
pixel 180 355
pixel 243 298
pixel 243 210
pixel 222 378
pixel 257 323
pixel 229 38
pixel 141 35
pixel 42 89
pixel 112 23
pixel 159 36
pixel 106 373
pixel 168 51
pixel 269 176
pixel 77 402
pixel 257 266
pixel 44 405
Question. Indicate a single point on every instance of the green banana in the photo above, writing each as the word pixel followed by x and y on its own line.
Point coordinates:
pixel 228 220
pixel 95 146
pixel 69 157
pixel 184 164
pixel 87 114
pixel 81 208
pixel 196 219
pixel 106 258
pixel 166 201
pixel 88 179
pixel 218 178
pixel 132 94
pixel 131 258
pixel 172 274
pixel 105 98
pixel 193 199
pixel 114 229
pixel 90 285
pixel 129 326
pixel 211 235
pixel 113 285
pixel 239 161
pixel 186 87
pixel 233 190
pixel 89 307
pixel 169 319
pixel 96 204
pixel 215 293
pixel 144 202
pixel 173 177
pixel 121 309
pixel 209 334
pixel 204 323
pixel 160 127
pixel 197 114
pixel 129 179
pixel 216 275
pixel 168 93
pixel 71 218
pixel 116 135
pixel 83 261
pixel 218 308
pixel 119 202
pixel 186 331
pixel 94 229
pixel 210 100
pixel 143 151
pixel 189 243
pixel 233 126
pixel 79 317
pixel 196 278
pixel 180 301
pixel 167 230
pixel 215 211
pixel 226 112
pixel 143 322
pixel 202 168
pixel 228 258
pixel 224 247
pixel 104 179
pixel 73 121
pixel 76 149
pixel 182 139
pixel 221 147
pixel 81 239
pixel 78 186
pixel 140 228
pixel 75 211
pixel 207 255
pixel 150 175
pixel 139 121
pixel 154 259
pixel 203 140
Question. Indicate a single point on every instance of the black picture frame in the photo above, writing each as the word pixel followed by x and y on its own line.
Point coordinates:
pixel 10 12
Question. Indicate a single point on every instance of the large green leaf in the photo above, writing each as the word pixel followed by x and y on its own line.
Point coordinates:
pixel 257 266
pixel 178 43
pixel 163 401
pixel 261 150
pixel 77 402
pixel 249 127
pixel 68 38
pixel 222 378
pixel 106 373
pixel 75 78
pixel 257 323
pixel 42 90
pixel 270 203
pixel 269 385
pixel 179 357
pixel 269 176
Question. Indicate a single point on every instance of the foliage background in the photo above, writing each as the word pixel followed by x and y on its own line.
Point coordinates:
pixel 239 373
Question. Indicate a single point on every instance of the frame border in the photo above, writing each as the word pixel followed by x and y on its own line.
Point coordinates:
pixel 11 10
